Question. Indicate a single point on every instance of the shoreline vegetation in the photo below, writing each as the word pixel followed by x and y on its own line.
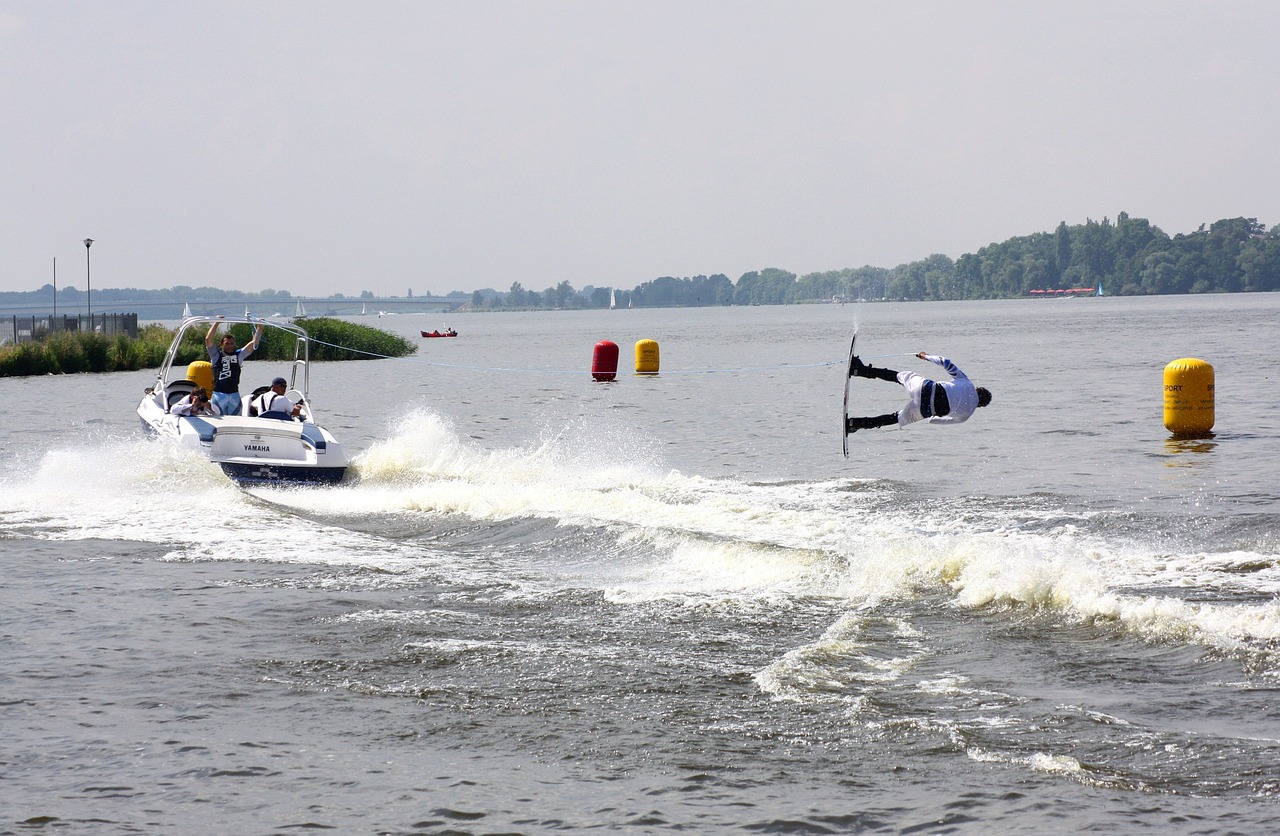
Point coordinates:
pixel 75 352
pixel 1128 257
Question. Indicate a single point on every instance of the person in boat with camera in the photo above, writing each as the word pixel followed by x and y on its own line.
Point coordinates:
pixel 195 404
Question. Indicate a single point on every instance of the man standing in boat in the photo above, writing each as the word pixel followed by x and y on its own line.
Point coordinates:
pixel 226 361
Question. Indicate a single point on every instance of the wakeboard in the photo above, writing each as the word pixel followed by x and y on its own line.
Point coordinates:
pixel 844 425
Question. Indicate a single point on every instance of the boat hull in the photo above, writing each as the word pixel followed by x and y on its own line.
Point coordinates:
pixel 256 450
pixel 260 473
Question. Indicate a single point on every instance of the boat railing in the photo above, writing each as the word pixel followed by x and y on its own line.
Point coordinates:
pixel 300 367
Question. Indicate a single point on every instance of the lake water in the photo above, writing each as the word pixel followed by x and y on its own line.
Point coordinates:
pixel 669 603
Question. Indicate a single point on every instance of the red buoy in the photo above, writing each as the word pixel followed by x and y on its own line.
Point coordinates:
pixel 604 361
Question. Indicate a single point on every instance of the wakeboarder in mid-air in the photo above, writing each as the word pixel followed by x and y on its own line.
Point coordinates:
pixel 938 402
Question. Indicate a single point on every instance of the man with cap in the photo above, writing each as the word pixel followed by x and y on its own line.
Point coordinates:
pixel 275 400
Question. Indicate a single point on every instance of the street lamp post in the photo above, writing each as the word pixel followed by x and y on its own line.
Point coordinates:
pixel 88 242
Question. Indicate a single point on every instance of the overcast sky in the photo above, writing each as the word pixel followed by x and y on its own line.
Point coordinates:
pixel 335 147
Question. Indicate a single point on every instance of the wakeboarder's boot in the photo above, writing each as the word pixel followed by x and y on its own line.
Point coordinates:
pixel 860 369
pixel 870 423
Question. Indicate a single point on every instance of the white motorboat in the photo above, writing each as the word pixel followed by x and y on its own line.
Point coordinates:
pixel 272 447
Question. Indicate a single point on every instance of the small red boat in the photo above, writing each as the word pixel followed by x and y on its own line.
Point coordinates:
pixel 448 332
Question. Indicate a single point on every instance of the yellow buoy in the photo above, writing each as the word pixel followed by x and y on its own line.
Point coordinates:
pixel 201 374
pixel 647 357
pixel 1188 397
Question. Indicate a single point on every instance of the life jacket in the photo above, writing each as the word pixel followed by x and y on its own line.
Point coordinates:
pixel 226 372
pixel 934 400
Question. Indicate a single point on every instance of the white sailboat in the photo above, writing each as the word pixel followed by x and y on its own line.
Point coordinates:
pixel 613 299
pixel 362 310
pixel 301 310
pixel 186 310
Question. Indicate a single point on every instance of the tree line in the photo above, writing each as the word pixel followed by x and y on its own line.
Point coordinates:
pixel 1129 257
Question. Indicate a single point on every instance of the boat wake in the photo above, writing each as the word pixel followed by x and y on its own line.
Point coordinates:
pixel 590 507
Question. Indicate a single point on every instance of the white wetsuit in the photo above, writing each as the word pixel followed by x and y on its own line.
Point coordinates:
pixel 960 392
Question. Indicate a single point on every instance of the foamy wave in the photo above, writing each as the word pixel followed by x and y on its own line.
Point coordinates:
pixel 426 467
pixel 1070 578
pixel 657 534
pixel 718 540
pixel 123 490
pixel 1064 765
pixel 149 491
pixel 853 653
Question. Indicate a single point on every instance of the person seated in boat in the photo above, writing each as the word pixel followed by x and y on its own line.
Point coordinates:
pixel 449 332
pixel 938 402
pixel 195 404
pixel 226 360
pixel 275 400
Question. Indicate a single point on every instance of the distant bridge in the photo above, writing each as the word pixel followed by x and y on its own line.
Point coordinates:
pixel 314 305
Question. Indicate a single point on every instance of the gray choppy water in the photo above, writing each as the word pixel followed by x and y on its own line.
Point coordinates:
pixel 665 603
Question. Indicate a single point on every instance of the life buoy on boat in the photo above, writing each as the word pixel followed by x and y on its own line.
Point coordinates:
pixel 200 373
